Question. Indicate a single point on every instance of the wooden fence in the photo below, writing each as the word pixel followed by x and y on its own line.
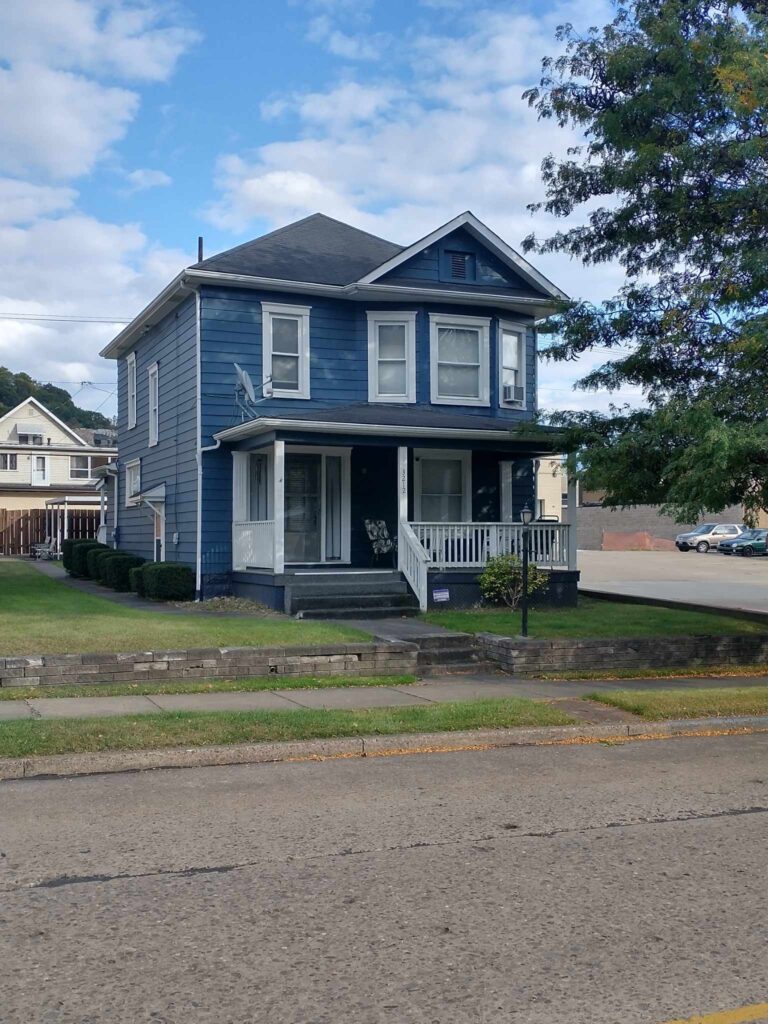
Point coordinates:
pixel 21 528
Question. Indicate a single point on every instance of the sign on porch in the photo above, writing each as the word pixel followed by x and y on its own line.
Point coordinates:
pixel 438 596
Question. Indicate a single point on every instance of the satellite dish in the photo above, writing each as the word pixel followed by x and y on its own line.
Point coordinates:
pixel 244 384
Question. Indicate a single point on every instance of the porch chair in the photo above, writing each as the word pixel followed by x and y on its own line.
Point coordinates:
pixel 43 551
pixel 381 542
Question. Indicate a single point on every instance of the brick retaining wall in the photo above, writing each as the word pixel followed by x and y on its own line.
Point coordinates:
pixel 533 657
pixel 364 659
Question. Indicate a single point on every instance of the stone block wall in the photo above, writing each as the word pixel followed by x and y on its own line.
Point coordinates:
pixel 363 659
pixel 530 657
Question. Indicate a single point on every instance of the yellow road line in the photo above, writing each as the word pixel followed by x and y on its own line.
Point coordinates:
pixel 758 1011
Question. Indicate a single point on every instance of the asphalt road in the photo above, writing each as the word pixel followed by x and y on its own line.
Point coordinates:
pixel 715 580
pixel 587 885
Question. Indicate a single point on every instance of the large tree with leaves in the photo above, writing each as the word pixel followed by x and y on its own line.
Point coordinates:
pixel 671 99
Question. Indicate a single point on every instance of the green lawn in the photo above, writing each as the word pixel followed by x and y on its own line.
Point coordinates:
pixel 594 618
pixel 664 704
pixel 200 686
pixel 193 729
pixel 39 615
pixel 708 672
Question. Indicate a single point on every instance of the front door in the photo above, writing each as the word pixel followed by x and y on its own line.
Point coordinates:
pixel 159 535
pixel 303 493
pixel 39 470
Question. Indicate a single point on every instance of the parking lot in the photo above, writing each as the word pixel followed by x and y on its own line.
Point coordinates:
pixel 719 581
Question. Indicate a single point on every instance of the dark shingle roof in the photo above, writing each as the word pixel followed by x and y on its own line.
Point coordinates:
pixel 316 249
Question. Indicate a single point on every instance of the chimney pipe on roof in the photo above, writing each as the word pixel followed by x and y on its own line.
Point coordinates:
pixel 199 248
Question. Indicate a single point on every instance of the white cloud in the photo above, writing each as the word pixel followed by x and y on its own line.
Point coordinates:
pixel 71 266
pixel 342 44
pixel 131 40
pixel 22 201
pixel 144 178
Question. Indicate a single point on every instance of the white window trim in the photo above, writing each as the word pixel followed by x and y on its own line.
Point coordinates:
pixel 420 454
pixel 153 373
pixel 132 500
pixel 483 324
pixel 130 361
pixel 376 317
pixel 521 329
pixel 89 467
pixel 301 313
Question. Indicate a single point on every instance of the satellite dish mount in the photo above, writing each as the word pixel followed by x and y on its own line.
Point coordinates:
pixel 245 394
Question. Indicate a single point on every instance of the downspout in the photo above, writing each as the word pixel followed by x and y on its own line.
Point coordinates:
pixel 200 449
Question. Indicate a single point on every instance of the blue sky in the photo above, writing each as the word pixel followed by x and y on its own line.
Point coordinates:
pixel 130 127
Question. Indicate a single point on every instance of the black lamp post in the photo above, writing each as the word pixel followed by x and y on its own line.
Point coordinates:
pixel 526 517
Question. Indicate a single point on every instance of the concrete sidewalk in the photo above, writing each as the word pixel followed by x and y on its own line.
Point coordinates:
pixel 481 686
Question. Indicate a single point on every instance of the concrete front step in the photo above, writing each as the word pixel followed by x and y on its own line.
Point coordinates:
pixel 385 612
pixel 330 600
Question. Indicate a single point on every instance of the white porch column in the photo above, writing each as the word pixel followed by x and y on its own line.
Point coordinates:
pixel 66 519
pixel 571 509
pixel 102 507
pixel 59 526
pixel 402 485
pixel 278 464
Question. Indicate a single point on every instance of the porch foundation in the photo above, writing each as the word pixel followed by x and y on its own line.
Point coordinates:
pixel 463 589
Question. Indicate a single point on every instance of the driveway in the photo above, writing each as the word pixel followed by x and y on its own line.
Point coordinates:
pixel 718 581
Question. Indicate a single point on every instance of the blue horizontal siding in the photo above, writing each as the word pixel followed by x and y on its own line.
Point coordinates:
pixel 172 345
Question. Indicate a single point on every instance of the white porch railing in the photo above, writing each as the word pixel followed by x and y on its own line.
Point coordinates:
pixel 253 545
pixel 470 545
pixel 413 562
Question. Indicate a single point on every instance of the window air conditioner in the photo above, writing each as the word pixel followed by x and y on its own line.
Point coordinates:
pixel 514 394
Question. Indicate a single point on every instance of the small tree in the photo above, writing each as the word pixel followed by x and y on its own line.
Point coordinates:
pixel 501 581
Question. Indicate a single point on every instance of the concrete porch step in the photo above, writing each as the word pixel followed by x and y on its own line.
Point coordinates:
pixel 383 612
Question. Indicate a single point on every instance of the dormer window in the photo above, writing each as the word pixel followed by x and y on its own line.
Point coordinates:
pixel 30 438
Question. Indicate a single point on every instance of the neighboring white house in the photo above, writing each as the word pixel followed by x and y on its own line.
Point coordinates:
pixel 551 487
pixel 42 458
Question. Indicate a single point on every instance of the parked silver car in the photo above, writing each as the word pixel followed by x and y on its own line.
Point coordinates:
pixel 708 535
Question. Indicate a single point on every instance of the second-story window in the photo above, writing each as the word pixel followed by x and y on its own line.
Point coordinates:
pixel 153 387
pixel 130 363
pixel 286 349
pixel 512 365
pixel 459 360
pixel 132 482
pixel 391 356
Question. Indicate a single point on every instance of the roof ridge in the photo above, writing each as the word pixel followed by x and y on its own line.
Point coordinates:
pixel 294 224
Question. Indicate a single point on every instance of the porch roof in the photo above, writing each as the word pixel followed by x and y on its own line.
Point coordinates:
pixel 402 422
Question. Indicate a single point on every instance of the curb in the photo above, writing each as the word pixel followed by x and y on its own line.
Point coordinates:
pixel 109 762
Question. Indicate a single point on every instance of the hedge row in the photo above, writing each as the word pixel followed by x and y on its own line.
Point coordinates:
pixel 161 581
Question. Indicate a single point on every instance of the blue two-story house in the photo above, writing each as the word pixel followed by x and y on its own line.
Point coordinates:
pixel 327 422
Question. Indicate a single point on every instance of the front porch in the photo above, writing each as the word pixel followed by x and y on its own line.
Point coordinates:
pixel 303 515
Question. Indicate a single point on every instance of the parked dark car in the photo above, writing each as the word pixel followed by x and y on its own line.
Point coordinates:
pixel 756 545
pixel 726 547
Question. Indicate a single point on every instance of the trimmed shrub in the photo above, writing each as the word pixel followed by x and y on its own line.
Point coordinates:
pixel 67 548
pixel 80 555
pixel 501 581
pixel 168 581
pixel 136 579
pixel 117 569
pixel 93 561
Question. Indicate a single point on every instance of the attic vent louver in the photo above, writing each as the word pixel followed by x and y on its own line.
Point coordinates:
pixel 458 265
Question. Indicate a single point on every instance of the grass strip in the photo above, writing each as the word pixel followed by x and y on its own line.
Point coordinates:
pixel 200 686
pixel 661 705
pixel 40 615
pixel 595 618
pixel 710 672
pixel 28 738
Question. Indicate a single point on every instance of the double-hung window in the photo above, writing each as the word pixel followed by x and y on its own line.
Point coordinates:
pixel 8 462
pixel 459 360
pixel 512 365
pixel 79 467
pixel 130 363
pixel 153 388
pixel 391 356
pixel 132 482
pixel 286 349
